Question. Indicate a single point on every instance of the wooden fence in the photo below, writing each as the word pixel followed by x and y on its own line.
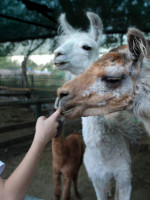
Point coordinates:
pixel 36 102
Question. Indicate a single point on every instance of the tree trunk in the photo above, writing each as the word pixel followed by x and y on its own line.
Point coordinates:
pixel 24 72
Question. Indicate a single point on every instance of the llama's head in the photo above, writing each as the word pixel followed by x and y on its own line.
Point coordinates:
pixel 77 49
pixel 108 85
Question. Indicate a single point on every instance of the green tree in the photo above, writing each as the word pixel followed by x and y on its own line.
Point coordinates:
pixel 32 47
pixel 6 63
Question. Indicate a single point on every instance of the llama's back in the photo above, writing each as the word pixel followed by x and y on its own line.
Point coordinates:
pixel 75 147
pixel 74 142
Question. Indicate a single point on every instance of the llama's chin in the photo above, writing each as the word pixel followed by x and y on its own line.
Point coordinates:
pixel 95 112
pixel 77 112
pixel 70 114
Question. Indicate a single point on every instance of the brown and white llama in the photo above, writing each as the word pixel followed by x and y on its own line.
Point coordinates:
pixel 108 86
pixel 67 159
pixel 116 81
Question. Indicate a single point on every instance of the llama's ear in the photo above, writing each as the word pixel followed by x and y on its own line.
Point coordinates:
pixel 96 26
pixel 137 44
pixel 65 27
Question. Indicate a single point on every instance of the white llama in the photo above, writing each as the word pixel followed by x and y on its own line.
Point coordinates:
pixel 77 49
pixel 107 153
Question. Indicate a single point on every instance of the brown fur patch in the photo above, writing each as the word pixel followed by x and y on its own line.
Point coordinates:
pixel 67 159
pixel 148 56
pixel 109 59
pixel 118 48
pixel 80 83
pixel 119 102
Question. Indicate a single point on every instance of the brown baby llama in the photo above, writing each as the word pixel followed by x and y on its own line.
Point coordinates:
pixel 67 159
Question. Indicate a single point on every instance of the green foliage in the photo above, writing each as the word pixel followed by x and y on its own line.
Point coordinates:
pixel 55 74
pixel 32 65
pixel 6 63
pixel 116 15
pixel 23 22
pixel 6 48
pixel 36 81
pixel 50 81
pixel 58 75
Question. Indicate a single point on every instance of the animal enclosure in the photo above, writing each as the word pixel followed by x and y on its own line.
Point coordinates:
pixel 75 40
pixel 20 107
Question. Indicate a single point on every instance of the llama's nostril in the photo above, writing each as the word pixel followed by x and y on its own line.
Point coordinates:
pixel 63 93
pixel 59 54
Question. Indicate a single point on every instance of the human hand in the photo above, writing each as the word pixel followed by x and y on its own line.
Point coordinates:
pixel 46 128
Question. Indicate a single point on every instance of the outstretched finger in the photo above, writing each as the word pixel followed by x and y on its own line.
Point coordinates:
pixel 55 115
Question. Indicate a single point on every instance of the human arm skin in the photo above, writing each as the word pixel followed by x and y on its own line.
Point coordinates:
pixel 16 186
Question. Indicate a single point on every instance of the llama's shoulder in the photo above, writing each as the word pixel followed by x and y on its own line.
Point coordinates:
pixel 126 124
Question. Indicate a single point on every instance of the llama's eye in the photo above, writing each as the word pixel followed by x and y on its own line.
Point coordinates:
pixel 86 47
pixel 112 81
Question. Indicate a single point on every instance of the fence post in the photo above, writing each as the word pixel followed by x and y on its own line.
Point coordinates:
pixel 37 110
pixel 32 81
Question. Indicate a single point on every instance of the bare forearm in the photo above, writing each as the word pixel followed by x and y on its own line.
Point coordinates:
pixel 18 183
pixel 16 186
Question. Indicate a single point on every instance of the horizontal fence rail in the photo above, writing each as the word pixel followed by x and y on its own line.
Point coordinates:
pixel 27 102
pixel 50 82
pixel 15 127
pixel 16 140
pixel 36 100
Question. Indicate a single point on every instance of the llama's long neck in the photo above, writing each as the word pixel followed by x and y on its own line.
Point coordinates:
pixel 58 146
pixel 99 131
pixel 100 141
pixel 93 129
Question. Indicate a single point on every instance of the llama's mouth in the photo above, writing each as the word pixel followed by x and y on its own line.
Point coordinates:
pixel 79 111
pixel 69 111
pixel 72 113
pixel 60 64
pixel 59 105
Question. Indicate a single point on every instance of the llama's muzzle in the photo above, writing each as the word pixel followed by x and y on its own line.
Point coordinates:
pixel 61 103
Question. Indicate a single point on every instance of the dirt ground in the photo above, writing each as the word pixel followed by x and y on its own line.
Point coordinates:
pixel 42 185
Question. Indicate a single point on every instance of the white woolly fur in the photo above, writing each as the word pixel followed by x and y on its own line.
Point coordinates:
pixel 107 153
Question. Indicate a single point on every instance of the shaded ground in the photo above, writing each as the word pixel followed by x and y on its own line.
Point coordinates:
pixel 42 185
